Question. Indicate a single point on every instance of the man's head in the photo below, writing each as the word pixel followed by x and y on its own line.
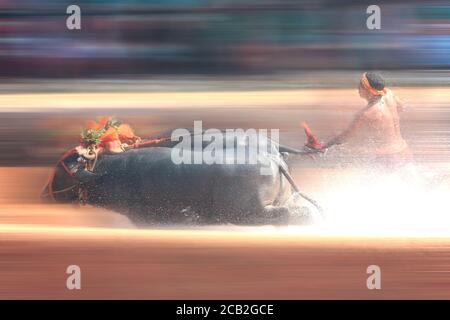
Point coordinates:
pixel 371 84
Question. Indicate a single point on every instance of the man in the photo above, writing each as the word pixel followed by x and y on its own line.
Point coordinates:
pixel 375 129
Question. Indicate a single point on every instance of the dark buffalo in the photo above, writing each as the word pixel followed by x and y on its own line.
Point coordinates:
pixel 149 188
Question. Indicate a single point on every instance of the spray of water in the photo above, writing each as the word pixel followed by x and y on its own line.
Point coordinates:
pixel 407 202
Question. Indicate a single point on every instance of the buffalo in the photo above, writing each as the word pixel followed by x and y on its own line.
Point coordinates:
pixel 148 187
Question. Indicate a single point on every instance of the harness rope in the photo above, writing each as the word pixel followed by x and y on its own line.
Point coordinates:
pixel 50 190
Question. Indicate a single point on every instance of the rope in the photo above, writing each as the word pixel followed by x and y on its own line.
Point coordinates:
pixel 52 176
pixel 63 190
pixel 297 190
pixel 150 143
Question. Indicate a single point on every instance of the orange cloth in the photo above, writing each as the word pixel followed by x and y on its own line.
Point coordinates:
pixel 112 139
pixel 110 135
pixel 126 133
pixel 312 141
pixel 368 87
pixel 91 124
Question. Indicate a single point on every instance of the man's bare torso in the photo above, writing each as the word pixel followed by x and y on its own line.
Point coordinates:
pixel 378 129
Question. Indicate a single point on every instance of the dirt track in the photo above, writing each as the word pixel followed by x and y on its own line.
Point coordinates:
pixel 38 242
pixel 217 265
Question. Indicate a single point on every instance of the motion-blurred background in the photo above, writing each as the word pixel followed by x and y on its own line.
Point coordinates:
pixel 276 62
pixel 137 37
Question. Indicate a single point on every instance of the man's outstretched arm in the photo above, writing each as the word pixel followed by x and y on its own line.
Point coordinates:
pixel 351 130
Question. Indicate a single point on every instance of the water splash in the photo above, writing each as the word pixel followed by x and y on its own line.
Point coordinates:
pixel 407 202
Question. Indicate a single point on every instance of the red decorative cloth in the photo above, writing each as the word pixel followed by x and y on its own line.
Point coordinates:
pixel 312 141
